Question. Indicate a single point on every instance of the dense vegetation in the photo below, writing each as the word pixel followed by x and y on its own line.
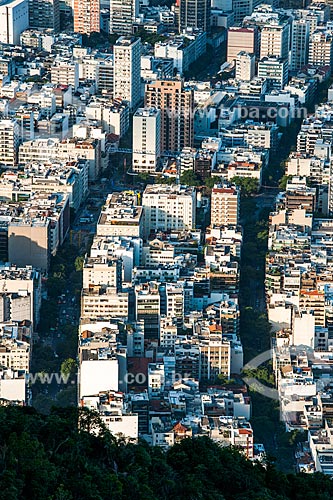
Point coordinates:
pixel 47 458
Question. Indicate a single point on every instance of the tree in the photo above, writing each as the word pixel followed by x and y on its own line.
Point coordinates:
pixel 248 185
pixel 189 178
pixel 79 261
pixel 68 367
pixel 210 182
pixel 283 181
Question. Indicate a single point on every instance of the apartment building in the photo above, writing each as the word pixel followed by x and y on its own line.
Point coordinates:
pixel 86 16
pixel 42 150
pixel 23 281
pixel 122 16
pixel 148 307
pixel 168 208
pixel 115 413
pixel 245 66
pixel 225 203
pixel 121 216
pixel 194 14
pixel 14 18
pixel 127 80
pixel 300 38
pixel 274 40
pixel 65 72
pixel 102 271
pixel 176 104
pixel 100 301
pixel 44 14
pixel 9 143
pixel 15 354
pixel 321 49
pixel 241 39
pixel 146 140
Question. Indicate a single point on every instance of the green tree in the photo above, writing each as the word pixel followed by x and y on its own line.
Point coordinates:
pixel 210 182
pixel 79 261
pixel 283 181
pixel 248 185
pixel 189 178
pixel 68 367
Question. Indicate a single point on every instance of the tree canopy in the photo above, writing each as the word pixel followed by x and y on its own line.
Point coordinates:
pixel 53 458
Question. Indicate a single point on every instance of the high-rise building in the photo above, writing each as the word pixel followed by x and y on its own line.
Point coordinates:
pixel 299 44
pixel 86 16
pixel 147 308
pixel 241 39
pixel 321 49
pixel 225 205
pixel 9 142
pixel 275 70
pixel 122 15
pixel 44 14
pixel 127 80
pixel 242 8
pixel 14 18
pixel 176 104
pixel 274 40
pixel 168 208
pixel 245 66
pixel 146 139
pixel 194 14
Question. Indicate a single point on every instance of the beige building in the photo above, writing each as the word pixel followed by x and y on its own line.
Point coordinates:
pixel 121 216
pixel 177 111
pixel 102 271
pixel 28 243
pixel 241 39
pixel 14 354
pixel 225 204
pixel 65 73
pixel 103 302
pixel 245 66
pixel 215 358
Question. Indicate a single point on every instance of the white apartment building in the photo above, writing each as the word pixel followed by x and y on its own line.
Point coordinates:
pixel 12 385
pixel 114 118
pixel 175 301
pixel 300 37
pixel 127 79
pixel 42 150
pixel 156 379
pixel 245 66
pixel 99 371
pixel 9 142
pixel 113 412
pixel 168 331
pixel 14 18
pixel 168 208
pixel 225 202
pixel 146 140
pixel 274 40
pixel 23 281
pixel 122 16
